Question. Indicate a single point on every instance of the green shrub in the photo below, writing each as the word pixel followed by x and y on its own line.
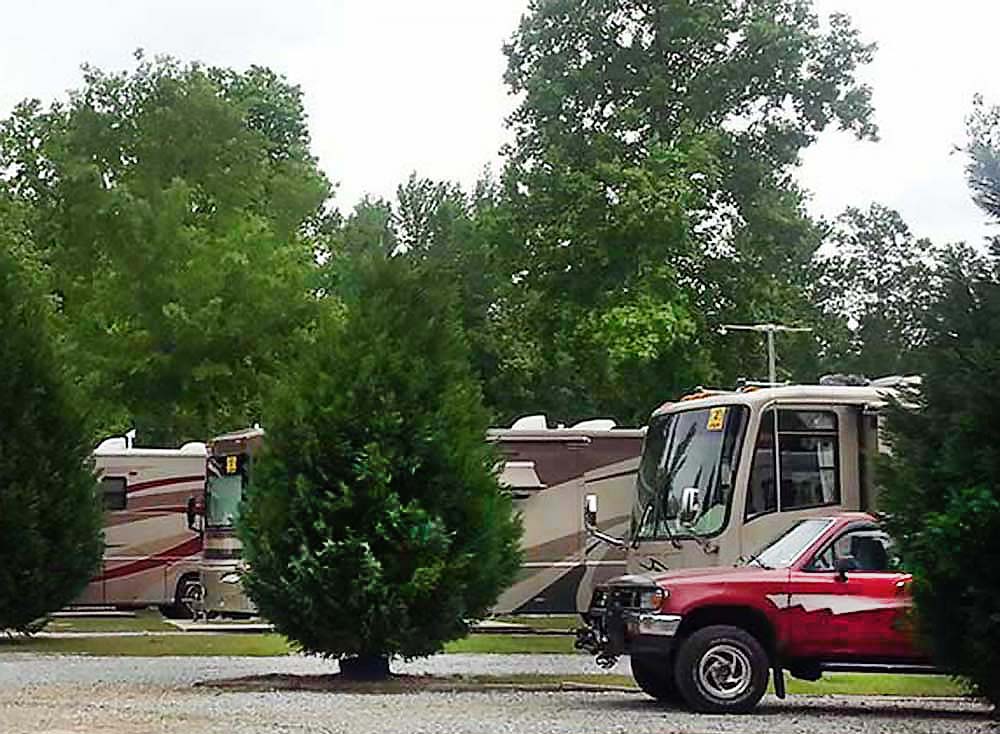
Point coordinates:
pixel 50 522
pixel 942 484
pixel 374 526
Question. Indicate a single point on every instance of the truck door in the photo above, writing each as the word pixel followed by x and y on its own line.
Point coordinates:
pixel 859 614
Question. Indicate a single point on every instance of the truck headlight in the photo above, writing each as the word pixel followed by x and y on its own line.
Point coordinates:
pixel 230 578
pixel 653 599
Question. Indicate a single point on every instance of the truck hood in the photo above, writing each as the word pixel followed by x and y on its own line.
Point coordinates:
pixel 714 574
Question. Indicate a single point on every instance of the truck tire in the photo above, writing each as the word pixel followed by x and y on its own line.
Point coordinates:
pixel 655 676
pixel 721 670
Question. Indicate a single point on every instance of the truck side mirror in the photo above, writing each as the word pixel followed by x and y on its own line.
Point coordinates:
pixel 843 565
pixel 690 506
pixel 590 510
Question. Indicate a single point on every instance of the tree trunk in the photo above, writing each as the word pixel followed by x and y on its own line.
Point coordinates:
pixel 365 667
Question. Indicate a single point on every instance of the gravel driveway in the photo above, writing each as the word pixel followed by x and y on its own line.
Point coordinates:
pixel 50 695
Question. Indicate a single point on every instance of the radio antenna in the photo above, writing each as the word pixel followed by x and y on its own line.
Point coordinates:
pixel 770 330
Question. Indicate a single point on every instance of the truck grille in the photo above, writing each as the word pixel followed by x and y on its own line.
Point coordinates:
pixel 626 597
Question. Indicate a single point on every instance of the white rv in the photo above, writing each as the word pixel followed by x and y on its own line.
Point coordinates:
pixel 151 553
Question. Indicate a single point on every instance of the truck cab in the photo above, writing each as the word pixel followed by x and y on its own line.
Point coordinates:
pixel 825 595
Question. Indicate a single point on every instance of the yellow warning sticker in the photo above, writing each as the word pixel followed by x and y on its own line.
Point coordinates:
pixel 716 419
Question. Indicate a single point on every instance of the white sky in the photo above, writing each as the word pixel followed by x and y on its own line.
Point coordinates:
pixel 394 87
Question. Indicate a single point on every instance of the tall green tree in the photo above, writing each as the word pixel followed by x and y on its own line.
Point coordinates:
pixel 942 483
pixel 983 151
pixel 650 181
pixel 175 209
pixel 878 282
pixel 374 526
pixel 50 520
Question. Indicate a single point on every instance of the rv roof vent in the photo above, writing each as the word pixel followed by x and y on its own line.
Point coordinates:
pixel 194 447
pixel 899 381
pixel 595 424
pixel 530 423
pixel 112 445
pixel 842 380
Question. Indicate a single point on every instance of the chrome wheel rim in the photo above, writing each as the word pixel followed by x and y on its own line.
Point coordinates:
pixel 724 672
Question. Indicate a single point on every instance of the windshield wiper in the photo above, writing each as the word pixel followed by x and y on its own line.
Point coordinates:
pixel 755 558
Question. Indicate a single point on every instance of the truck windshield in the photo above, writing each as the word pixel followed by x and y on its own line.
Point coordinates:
pixel 224 495
pixel 694 448
pixel 785 550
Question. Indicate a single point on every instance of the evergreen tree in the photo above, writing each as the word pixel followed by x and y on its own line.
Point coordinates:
pixel 943 480
pixel 374 526
pixel 50 522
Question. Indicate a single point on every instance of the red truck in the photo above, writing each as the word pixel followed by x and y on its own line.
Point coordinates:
pixel 826 595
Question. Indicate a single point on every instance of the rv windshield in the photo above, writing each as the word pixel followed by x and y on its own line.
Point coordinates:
pixel 695 448
pixel 224 495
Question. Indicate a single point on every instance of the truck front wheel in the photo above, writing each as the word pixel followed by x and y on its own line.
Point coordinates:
pixel 655 676
pixel 721 670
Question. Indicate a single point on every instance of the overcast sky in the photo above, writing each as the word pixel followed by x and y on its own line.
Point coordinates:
pixel 393 86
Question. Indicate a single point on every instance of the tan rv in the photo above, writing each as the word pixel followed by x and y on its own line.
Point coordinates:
pixel 722 472
pixel 151 555
pixel 549 471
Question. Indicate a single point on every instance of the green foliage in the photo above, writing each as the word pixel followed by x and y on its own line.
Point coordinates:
pixel 375 526
pixel 174 211
pixel 651 172
pixel 942 485
pixel 50 521
pixel 983 169
pixel 877 281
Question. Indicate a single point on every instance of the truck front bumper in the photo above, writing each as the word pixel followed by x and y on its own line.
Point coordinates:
pixel 611 632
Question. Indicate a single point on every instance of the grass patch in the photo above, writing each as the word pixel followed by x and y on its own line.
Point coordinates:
pixel 562 622
pixel 204 644
pixel 145 620
pixel 153 645
pixel 844 684
pixel 876 684
pixel 511 644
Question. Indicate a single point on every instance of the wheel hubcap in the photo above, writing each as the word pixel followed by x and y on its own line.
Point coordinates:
pixel 724 671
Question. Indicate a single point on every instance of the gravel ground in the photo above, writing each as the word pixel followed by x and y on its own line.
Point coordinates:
pixel 59 695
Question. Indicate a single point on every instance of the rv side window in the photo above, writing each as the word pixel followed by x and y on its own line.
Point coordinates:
pixel 807 442
pixel 762 494
pixel 806 445
pixel 113 492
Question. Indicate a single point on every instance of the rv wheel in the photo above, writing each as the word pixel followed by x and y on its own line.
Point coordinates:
pixel 187 599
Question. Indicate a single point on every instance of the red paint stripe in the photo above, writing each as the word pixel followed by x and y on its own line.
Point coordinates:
pixel 152 484
pixel 187 548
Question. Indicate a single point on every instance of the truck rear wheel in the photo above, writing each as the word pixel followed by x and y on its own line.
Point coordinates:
pixel 655 676
pixel 722 670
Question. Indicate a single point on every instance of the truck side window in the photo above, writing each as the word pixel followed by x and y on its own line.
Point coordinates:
pixel 808 445
pixel 868 549
pixel 113 492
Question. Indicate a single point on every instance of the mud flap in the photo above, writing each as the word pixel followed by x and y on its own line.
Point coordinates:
pixel 779 681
